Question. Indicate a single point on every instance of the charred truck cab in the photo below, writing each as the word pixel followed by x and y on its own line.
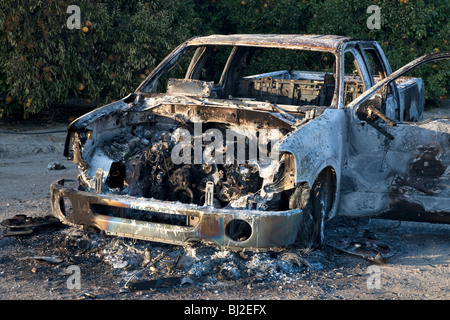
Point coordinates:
pixel 236 140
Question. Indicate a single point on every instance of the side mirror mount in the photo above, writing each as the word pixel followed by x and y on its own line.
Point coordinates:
pixel 367 109
pixel 369 112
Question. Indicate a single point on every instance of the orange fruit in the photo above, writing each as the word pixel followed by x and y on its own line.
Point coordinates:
pixel 81 87
pixel 9 99
pixel 85 29
pixel 88 23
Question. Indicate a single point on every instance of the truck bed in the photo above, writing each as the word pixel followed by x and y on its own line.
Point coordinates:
pixel 289 87
pixel 297 87
pixel 301 88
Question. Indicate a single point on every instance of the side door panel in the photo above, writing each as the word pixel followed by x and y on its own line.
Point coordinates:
pixel 421 190
pixel 406 178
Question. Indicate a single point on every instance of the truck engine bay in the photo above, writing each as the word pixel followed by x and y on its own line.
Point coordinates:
pixel 226 157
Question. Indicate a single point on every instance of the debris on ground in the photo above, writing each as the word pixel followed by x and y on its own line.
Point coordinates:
pixel 55 166
pixel 121 268
pixel 155 284
pixel 49 259
pixel 138 266
pixel 367 246
pixel 86 295
pixel 21 224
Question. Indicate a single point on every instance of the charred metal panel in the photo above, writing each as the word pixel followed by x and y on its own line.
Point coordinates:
pixel 379 173
pixel 412 99
pixel 318 42
pixel 316 145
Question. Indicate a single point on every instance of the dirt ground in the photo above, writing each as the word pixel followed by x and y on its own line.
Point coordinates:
pixel 64 263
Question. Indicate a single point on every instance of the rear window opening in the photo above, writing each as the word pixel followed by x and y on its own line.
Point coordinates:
pixel 280 76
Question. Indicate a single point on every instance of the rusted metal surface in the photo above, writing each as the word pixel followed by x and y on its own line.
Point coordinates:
pixel 368 247
pixel 267 229
pixel 191 87
pixel 302 42
pixel 140 174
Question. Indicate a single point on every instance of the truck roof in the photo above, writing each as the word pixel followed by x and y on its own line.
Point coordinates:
pixel 288 41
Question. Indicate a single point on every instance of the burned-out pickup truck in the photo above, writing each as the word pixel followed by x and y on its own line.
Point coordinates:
pixel 254 141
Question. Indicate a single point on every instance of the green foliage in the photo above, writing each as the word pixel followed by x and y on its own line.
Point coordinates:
pixel 409 29
pixel 261 16
pixel 42 62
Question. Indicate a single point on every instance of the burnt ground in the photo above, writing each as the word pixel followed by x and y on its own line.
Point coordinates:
pixel 40 265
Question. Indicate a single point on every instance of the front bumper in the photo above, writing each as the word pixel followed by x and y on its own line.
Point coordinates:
pixel 251 229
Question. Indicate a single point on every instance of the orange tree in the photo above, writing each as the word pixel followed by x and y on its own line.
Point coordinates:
pixel 253 16
pixel 43 62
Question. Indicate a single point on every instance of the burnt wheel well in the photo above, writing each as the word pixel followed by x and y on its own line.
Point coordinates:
pixel 301 195
pixel 328 177
pixel 316 202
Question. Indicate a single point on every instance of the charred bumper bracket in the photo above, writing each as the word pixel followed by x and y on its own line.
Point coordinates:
pixel 249 229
